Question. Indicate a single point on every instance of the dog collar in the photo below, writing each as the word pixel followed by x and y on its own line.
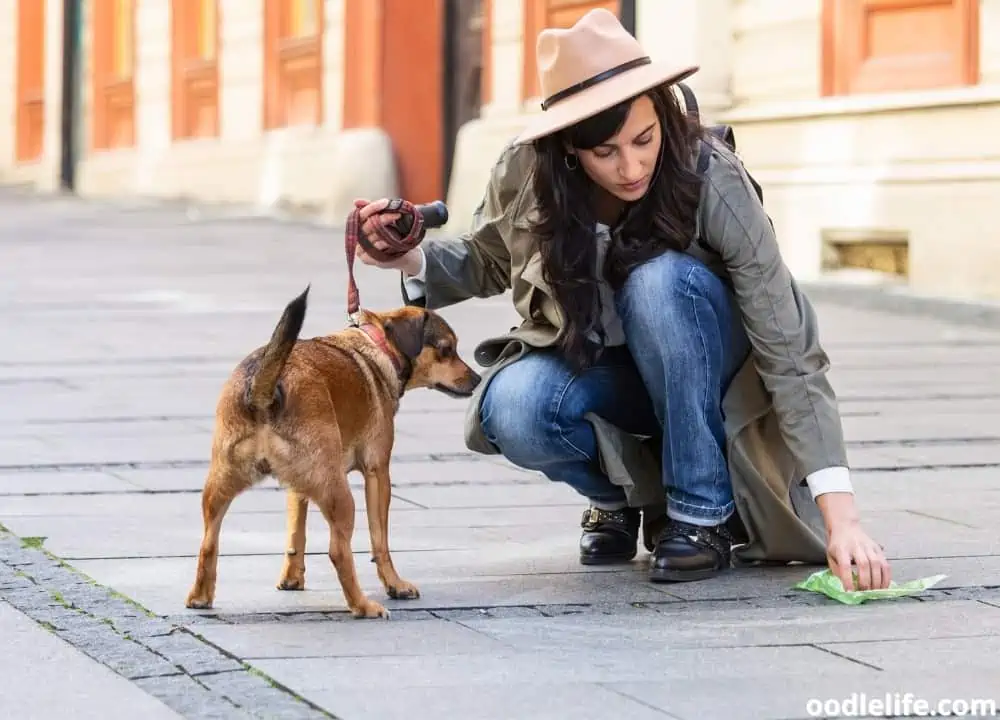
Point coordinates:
pixel 378 337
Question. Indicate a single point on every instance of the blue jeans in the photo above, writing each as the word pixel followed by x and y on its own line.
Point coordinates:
pixel 684 343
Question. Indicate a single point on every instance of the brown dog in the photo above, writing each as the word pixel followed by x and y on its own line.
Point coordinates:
pixel 309 412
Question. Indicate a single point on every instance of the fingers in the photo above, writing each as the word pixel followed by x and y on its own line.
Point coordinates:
pixel 370 226
pixel 881 564
pixel 873 571
pixel 865 570
pixel 374 207
pixel 840 564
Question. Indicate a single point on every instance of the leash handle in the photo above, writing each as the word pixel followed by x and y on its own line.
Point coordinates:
pixel 400 237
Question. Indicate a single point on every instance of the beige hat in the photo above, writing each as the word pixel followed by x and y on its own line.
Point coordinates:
pixel 590 67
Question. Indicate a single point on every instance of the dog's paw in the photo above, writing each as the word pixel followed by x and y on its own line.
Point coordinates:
pixel 198 603
pixel 292 583
pixel 370 609
pixel 403 590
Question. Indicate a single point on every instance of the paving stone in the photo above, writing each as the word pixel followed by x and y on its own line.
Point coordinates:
pixel 55 483
pixel 895 457
pixel 490 496
pixel 121 536
pixel 266 498
pixel 687 626
pixel 914 427
pixel 258 697
pixel 918 655
pixel 507 575
pixel 768 698
pixel 355 639
pixel 389 673
pixel 190 699
pixel 524 701
pixel 124 656
pixel 44 677
pixel 190 654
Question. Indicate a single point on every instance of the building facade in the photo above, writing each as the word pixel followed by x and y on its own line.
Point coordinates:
pixel 869 123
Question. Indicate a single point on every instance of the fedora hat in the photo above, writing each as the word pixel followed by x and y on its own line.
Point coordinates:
pixel 590 67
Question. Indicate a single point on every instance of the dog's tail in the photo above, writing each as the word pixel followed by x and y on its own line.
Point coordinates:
pixel 261 392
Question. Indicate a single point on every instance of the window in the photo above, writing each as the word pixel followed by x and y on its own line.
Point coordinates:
pixel 293 63
pixel 30 117
pixel 113 68
pixel 195 68
pixel 541 14
pixel 896 45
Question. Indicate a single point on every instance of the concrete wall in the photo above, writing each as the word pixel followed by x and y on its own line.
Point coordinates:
pixel 924 164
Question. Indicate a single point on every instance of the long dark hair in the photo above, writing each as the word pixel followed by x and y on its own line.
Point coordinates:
pixel 664 219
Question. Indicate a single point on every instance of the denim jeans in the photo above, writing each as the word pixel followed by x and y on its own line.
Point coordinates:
pixel 684 343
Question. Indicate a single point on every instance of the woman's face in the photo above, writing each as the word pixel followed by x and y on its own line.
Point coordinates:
pixel 624 164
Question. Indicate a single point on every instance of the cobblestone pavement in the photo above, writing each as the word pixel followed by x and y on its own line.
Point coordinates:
pixel 119 325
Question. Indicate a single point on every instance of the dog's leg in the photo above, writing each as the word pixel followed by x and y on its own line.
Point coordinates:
pixel 337 505
pixel 293 574
pixel 222 485
pixel 378 494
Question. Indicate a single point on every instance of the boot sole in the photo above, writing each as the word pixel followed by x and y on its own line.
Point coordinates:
pixel 675 576
pixel 607 559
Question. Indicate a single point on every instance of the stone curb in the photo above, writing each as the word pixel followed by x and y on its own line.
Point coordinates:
pixel 903 302
pixel 167 660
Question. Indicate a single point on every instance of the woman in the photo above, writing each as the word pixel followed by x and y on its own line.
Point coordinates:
pixel 666 355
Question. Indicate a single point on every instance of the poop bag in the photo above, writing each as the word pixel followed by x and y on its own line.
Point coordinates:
pixel 826 583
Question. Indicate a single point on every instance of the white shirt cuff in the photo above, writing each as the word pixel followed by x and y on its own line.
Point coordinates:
pixel 827 480
pixel 414 284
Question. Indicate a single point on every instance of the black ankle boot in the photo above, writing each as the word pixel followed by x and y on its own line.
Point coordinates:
pixel 687 552
pixel 609 536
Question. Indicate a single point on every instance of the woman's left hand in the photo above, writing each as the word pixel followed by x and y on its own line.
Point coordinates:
pixel 849 545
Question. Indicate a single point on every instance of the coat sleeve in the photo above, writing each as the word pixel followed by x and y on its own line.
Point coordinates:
pixel 781 324
pixel 476 264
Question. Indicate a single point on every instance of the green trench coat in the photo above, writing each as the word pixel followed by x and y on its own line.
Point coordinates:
pixel 781 415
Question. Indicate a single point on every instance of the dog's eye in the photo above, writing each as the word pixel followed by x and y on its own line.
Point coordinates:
pixel 445 351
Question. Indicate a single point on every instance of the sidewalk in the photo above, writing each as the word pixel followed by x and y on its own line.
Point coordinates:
pixel 118 327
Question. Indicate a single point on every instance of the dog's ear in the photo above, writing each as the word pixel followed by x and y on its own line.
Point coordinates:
pixel 407 334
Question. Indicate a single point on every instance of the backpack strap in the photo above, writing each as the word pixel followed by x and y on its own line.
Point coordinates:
pixel 691 103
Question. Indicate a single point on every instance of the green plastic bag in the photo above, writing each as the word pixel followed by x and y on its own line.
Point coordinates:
pixel 826 583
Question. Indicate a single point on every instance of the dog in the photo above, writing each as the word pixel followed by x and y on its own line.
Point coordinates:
pixel 308 412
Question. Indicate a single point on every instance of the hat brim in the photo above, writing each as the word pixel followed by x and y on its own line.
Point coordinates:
pixel 600 97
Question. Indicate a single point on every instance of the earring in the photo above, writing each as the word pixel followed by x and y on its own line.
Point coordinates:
pixel 574 165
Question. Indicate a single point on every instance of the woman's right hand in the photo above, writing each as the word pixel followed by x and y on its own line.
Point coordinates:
pixel 409 263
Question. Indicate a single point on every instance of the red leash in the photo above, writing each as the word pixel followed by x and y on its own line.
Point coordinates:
pixel 397 243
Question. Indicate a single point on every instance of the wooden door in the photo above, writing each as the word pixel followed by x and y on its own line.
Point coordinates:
pixel 113 74
pixel 896 45
pixel 195 68
pixel 541 14
pixel 30 112
pixel 394 80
